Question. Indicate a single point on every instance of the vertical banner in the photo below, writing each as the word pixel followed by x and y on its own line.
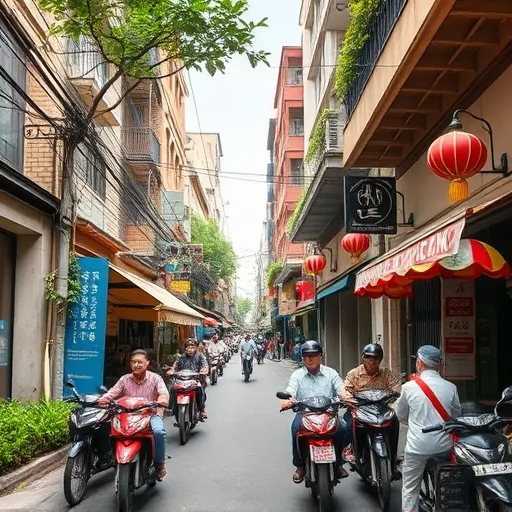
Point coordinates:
pixel 459 329
pixel 84 342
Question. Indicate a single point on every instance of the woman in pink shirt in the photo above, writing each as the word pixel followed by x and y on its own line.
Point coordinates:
pixel 142 383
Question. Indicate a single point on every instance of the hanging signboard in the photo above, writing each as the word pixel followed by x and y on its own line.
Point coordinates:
pixel 180 286
pixel 86 326
pixel 459 329
pixel 370 205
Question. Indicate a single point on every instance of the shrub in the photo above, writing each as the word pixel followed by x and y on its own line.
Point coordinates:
pixel 295 216
pixel 317 141
pixel 32 429
pixel 273 271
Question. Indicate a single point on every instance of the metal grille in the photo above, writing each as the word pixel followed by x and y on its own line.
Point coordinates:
pixel 426 314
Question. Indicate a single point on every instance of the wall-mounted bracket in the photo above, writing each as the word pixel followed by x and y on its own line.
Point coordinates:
pixel 410 220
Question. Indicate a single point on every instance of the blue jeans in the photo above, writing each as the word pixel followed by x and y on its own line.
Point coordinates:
pixel 158 429
pixel 339 442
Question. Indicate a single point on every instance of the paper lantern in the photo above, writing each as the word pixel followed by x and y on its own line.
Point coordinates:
pixel 457 156
pixel 355 244
pixel 315 264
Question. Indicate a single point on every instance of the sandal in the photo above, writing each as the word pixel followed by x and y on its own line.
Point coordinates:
pixel 298 476
pixel 161 471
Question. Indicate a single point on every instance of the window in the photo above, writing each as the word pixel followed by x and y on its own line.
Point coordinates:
pixel 12 116
pixel 91 168
pixel 294 72
pixel 296 171
pixel 296 122
pixel 84 59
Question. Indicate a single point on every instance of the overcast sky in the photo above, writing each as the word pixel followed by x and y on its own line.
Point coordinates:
pixel 238 105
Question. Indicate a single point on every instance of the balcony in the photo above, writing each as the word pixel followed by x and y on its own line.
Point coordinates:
pixel 423 60
pixel 89 73
pixel 142 149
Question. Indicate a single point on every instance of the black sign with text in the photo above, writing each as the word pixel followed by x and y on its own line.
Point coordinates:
pixel 370 205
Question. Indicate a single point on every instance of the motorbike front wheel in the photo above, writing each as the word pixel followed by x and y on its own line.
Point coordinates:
pixel 383 482
pixel 76 476
pixel 125 488
pixel 183 423
pixel 324 488
pixel 213 378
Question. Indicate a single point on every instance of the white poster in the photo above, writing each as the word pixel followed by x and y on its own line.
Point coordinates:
pixel 459 329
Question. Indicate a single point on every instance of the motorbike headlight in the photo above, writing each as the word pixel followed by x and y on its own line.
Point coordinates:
pixel 331 424
pixel 116 422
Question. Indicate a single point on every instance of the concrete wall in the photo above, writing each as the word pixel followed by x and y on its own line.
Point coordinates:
pixel 33 258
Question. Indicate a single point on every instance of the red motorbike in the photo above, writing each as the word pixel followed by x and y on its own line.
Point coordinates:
pixel 187 413
pixel 135 447
pixel 316 444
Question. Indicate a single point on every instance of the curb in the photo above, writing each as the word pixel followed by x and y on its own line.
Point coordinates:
pixel 33 470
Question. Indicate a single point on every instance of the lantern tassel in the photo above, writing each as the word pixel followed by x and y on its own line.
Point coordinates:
pixel 356 258
pixel 458 190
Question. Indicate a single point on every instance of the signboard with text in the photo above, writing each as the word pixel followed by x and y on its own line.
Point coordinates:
pixel 370 205
pixel 180 286
pixel 459 329
pixel 84 342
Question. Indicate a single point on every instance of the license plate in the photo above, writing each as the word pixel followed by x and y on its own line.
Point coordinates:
pixel 183 399
pixel 499 468
pixel 323 454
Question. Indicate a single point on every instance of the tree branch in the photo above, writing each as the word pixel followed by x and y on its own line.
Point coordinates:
pixel 101 93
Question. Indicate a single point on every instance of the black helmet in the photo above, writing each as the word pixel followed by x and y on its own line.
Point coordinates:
pixel 311 347
pixel 191 341
pixel 373 350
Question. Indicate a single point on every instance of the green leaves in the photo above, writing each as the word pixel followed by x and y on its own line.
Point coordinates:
pixel 295 216
pixel 242 307
pixel 273 271
pixel 362 17
pixel 30 430
pixel 218 252
pixel 317 141
pixel 202 34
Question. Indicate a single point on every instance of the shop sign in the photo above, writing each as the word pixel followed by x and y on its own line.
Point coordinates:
pixel 180 286
pixel 370 205
pixel 440 244
pixel 84 341
pixel 287 299
pixel 459 329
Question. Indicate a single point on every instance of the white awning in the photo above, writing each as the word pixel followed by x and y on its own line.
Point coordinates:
pixel 164 306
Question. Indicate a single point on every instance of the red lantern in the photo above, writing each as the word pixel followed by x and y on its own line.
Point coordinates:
pixel 355 244
pixel 315 264
pixel 457 156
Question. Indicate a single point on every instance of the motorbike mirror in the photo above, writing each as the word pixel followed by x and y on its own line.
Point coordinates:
pixel 506 392
pixel 103 390
pixel 70 383
pixel 282 395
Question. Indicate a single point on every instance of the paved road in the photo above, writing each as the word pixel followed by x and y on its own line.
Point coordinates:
pixel 239 460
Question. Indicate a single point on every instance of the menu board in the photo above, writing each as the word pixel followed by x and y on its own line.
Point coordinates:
pixel 459 329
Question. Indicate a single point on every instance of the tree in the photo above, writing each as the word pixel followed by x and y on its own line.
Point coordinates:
pixel 137 37
pixel 217 250
pixel 242 307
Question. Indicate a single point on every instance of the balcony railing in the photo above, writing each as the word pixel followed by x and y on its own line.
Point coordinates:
pixel 385 21
pixel 85 61
pixel 335 124
pixel 141 143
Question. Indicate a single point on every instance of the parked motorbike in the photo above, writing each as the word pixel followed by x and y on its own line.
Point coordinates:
pixel 214 369
pixel 135 447
pixel 89 429
pixel 316 444
pixel 187 413
pixel 247 367
pixel 478 475
pixel 371 421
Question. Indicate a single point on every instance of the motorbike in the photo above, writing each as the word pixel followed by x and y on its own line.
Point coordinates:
pixel 260 354
pixel 187 413
pixel 169 384
pixel 135 447
pixel 478 473
pixel 316 444
pixel 214 369
pixel 247 363
pixel 221 365
pixel 371 420
pixel 89 429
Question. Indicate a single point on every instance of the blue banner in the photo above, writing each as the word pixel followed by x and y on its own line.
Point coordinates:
pixel 86 327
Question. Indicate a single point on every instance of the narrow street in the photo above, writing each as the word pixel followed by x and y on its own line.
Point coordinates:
pixel 238 460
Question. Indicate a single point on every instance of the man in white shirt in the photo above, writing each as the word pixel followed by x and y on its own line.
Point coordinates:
pixel 415 408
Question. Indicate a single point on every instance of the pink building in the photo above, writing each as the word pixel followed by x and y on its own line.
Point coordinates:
pixel 289 151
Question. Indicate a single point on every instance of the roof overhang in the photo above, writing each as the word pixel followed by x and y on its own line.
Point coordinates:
pixel 323 210
pixel 290 268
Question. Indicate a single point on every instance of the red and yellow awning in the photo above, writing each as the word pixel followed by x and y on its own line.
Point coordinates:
pixel 472 260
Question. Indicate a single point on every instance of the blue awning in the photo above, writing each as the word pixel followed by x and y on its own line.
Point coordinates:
pixel 339 286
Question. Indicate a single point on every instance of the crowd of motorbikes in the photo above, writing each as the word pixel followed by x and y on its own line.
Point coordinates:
pixel 477 475
pixel 119 435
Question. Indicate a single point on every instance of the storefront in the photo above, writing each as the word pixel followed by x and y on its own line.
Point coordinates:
pixel 447 286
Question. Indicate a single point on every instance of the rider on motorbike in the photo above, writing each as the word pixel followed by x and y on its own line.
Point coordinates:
pixel 247 347
pixel 142 383
pixel 194 361
pixel 368 376
pixel 314 379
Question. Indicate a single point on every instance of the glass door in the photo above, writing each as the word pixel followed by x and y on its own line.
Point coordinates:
pixel 7 269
